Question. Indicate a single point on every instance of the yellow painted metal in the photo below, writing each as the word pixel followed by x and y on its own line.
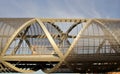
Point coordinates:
pixel 15 34
pixel 58 57
pixel 41 58
pixel 50 38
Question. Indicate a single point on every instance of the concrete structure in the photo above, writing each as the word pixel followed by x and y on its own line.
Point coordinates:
pixel 87 45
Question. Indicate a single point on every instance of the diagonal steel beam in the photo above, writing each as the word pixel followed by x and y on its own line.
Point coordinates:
pixel 28 23
pixel 71 47
pixel 103 26
pixel 50 38
pixel 77 38
pixel 20 42
pixel 62 39
pixel 88 23
pixel 106 30
pixel 100 46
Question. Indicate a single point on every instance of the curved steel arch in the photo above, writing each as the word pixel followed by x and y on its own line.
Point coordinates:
pixel 18 31
pixel 70 48
pixel 60 59
pixel 74 25
pixel 15 34
pixel 107 30
pixel 9 42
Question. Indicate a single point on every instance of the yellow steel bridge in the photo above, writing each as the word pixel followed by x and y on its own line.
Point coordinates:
pixel 59 45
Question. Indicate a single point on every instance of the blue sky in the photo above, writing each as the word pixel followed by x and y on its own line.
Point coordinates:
pixel 60 9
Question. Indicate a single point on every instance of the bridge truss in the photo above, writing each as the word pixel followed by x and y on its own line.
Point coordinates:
pixel 59 45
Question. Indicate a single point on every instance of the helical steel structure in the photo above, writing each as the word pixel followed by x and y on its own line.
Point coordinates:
pixel 59 45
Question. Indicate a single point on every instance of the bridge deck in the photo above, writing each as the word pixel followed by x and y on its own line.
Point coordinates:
pixel 107 57
pixel 30 58
pixel 74 58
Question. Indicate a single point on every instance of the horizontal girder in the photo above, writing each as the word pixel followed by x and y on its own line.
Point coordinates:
pixel 41 58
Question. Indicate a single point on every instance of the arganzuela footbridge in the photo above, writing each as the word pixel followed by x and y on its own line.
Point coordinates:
pixel 59 45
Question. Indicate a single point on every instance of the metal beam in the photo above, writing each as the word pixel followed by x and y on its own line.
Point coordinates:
pixel 103 26
pixel 71 47
pixel 17 47
pixel 28 23
pixel 77 38
pixel 23 36
pixel 50 38
pixel 72 26
pixel 61 59
pixel 57 19
pixel 100 46
pixel 40 58
pixel 68 36
pixel 106 30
